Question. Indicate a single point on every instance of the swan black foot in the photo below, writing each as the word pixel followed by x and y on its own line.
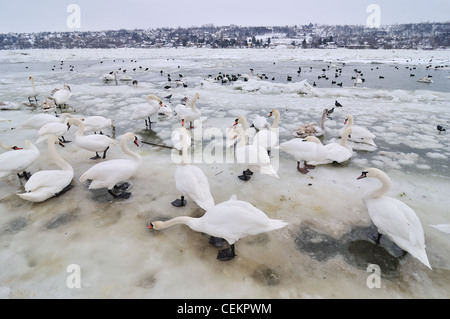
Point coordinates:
pixel 376 238
pixel 25 175
pixel 179 202
pixel 104 153
pixel 95 157
pixel 123 195
pixel 64 140
pixel 302 170
pixel 122 187
pixel 308 166
pixel 246 175
pixel 226 254
pixel 217 242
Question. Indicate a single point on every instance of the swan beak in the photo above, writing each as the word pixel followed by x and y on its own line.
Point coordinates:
pixel 363 175
pixel 136 141
pixel 236 122
pixel 150 226
pixel 15 148
pixel 345 122
pixel 270 114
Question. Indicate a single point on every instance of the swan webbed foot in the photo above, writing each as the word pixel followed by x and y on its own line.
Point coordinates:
pixel 179 202
pixel 95 157
pixel 376 238
pixel 122 187
pixel 246 175
pixel 308 166
pixel 302 170
pixel 25 175
pixel 62 139
pixel 123 195
pixel 217 241
pixel 248 172
pixel 226 254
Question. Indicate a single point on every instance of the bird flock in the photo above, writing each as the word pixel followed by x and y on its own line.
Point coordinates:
pixel 253 145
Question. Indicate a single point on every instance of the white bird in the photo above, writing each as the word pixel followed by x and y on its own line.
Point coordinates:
pixel 125 78
pixel 34 93
pixel 336 152
pixel 360 135
pixel 48 105
pixel 109 77
pixel 8 106
pixel 312 129
pixel 37 121
pixel 97 123
pixel 45 184
pixel 62 96
pixel 9 147
pixel 230 220
pixel 304 150
pixel 180 137
pixel 357 80
pixel 190 180
pixel 259 122
pixel 54 128
pixel 146 110
pixel 18 161
pixel 394 218
pixel 254 155
pixel 93 142
pixel 268 137
pixel 190 114
pixel 110 173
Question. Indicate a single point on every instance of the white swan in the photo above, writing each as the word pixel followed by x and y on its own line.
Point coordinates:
pixel 8 105
pixel 94 142
pixel 54 128
pixel 146 110
pixel 254 155
pixel 180 137
pixel 230 220
pixel 359 133
pixel 357 80
pixel 190 114
pixel 190 180
pixel 312 129
pixel 110 173
pixel 62 96
pixel 259 122
pixel 394 218
pixel 9 147
pixel 37 121
pixel 48 105
pixel 336 152
pixel 18 161
pixel 45 184
pixel 308 149
pixel 97 123
pixel 109 77
pixel 268 137
pixel 34 93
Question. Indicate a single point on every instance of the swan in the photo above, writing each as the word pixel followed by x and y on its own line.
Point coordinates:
pixel 252 154
pixel 180 138
pixel 109 77
pixel 230 220
pixel 62 96
pixel 190 114
pixel 190 180
pixel 9 147
pixel 9 106
pixel 357 80
pixel 308 149
pixel 336 152
pixel 48 105
pixel 96 123
pixel 45 184
pixel 110 173
pixel 37 121
pixel 268 137
pixel 54 128
pixel 18 161
pixel 359 133
pixel 146 110
pixel 34 93
pixel 312 129
pixel 259 122
pixel 94 142
pixel 394 218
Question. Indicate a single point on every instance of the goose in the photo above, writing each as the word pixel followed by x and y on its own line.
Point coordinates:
pixel 146 110
pixel 312 129
pixel 94 142
pixel 359 133
pixel 18 161
pixel 97 123
pixel 180 138
pixel 34 93
pixel 190 114
pixel 394 218
pixel 54 128
pixel 45 184
pixel 230 220
pixel 254 155
pixel 308 149
pixel 190 180
pixel 110 173
pixel 37 121
pixel 336 152
pixel 268 137
pixel 62 96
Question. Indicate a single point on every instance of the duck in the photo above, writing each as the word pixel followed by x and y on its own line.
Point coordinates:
pixel 93 142
pixel 54 128
pixel 268 137
pixel 230 220
pixel 97 123
pixel 359 134
pixel 146 110
pixel 304 150
pixel 45 184
pixel 394 218
pixel 19 160
pixel 180 138
pixel 34 93
pixel 113 174
pixel 190 179
pixel 190 114
pixel 336 152
pixel 312 129
pixel 254 155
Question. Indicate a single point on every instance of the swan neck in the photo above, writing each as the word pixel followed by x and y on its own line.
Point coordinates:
pixel 322 122
pixel 186 220
pixel 349 121
pixel 184 148
pixel 56 157
pixel 126 150
pixel 386 186
pixel 244 133
pixel 193 107
pixel 276 120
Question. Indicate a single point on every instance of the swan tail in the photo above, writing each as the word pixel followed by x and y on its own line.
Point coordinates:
pixel 268 170
pixel 233 197
pixel 276 224
pixel 37 196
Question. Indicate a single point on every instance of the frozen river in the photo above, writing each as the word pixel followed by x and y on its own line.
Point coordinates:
pixel 324 252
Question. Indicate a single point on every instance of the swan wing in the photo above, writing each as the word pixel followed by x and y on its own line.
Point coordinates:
pixel 109 173
pixel 17 160
pixel 53 179
pixel 191 180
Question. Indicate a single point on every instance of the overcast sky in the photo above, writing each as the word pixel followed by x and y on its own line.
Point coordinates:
pixel 95 15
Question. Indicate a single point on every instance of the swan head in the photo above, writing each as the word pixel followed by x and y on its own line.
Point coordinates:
pixel 348 118
pixel 274 112
pixel 371 172
pixel 312 139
